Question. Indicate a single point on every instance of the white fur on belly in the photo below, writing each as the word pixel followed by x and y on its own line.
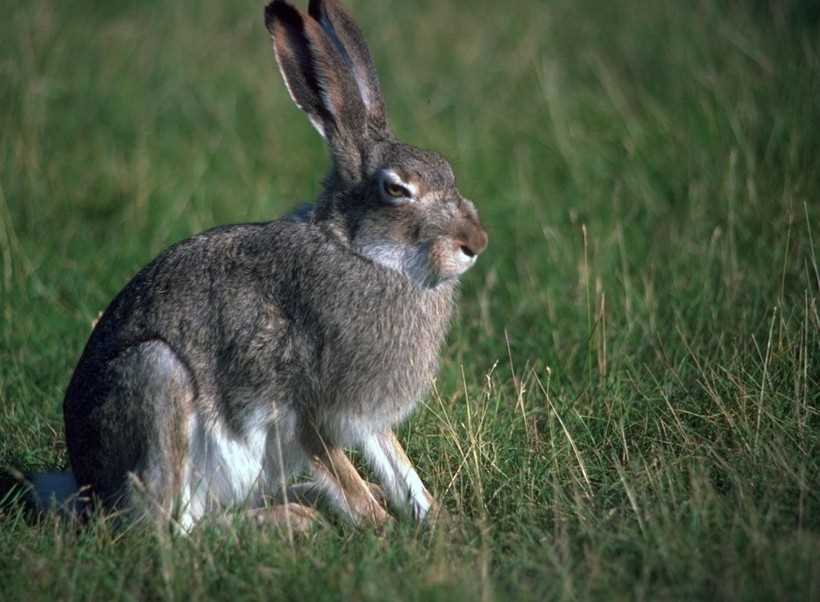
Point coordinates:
pixel 225 470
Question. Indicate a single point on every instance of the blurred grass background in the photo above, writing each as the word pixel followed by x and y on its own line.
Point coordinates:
pixel 628 406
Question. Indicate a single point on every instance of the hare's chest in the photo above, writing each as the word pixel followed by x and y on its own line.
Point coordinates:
pixel 381 361
pixel 377 393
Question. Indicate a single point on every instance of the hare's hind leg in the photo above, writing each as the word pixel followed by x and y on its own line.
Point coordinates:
pixel 127 429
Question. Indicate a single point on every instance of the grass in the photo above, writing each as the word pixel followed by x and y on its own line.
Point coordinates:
pixel 629 403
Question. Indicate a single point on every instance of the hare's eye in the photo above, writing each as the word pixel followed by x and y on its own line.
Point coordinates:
pixel 395 190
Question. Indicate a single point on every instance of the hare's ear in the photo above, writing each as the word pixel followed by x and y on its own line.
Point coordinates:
pixel 317 76
pixel 348 39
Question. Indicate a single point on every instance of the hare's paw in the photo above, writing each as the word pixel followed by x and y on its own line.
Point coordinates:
pixel 370 511
pixel 377 491
pixel 295 517
pixel 437 517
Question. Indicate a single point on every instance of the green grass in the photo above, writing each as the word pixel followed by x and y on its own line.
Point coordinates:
pixel 629 403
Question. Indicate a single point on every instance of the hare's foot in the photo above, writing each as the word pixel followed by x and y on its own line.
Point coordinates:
pixel 438 518
pixel 377 491
pixel 294 517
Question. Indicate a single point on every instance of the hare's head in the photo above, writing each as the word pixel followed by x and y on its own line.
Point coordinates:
pixel 395 203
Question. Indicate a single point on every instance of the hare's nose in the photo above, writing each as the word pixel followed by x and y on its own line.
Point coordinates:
pixel 467 251
pixel 474 244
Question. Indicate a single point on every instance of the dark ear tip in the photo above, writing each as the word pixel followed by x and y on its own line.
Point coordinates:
pixel 270 15
pixel 279 9
pixel 316 9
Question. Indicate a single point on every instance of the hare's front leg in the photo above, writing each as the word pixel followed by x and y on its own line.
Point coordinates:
pixel 402 485
pixel 345 490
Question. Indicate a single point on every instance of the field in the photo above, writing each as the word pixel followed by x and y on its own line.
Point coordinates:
pixel 629 403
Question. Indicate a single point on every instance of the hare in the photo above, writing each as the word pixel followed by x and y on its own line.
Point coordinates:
pixel 250 355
